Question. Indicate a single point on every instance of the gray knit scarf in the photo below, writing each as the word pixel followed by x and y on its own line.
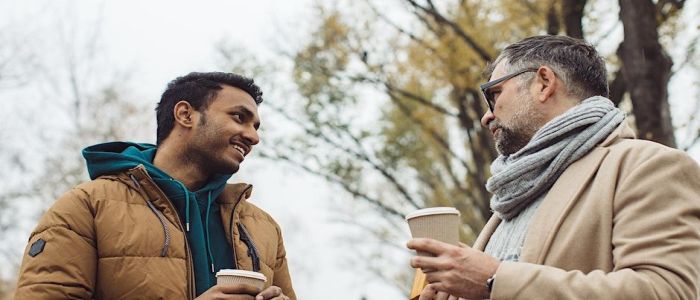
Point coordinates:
pixel 522 177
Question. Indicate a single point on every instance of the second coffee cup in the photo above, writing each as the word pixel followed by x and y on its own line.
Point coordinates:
pixel 439 223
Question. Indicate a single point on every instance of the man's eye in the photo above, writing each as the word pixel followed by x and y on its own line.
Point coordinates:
pixel 237 117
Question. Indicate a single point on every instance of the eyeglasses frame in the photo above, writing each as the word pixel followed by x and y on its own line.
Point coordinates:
pixel 486 86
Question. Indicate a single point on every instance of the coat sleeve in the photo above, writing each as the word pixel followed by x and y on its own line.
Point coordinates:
pixel 655 239
pixel 282 278
pixel 60 260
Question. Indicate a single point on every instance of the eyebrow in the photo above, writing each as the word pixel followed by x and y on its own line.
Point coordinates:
pixel 247 113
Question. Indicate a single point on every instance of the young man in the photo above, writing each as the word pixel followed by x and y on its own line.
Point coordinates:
pixel 158 222
pixel 582 209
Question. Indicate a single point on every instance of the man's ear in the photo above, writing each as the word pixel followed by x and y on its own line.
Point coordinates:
pixel 547 83
pixel 184 114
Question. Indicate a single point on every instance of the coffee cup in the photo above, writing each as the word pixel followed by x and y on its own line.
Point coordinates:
pixel 438 223
pixel 232 276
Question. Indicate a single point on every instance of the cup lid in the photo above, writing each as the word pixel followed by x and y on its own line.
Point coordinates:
pixel 244 273
pixel 432 211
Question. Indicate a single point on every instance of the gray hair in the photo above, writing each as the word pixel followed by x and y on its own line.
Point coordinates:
pixel 575 62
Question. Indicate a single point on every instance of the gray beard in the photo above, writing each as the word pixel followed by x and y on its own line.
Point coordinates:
pixel 511 141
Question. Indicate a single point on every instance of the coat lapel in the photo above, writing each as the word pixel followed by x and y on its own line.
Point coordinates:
pixel 486 233
pixel 556 205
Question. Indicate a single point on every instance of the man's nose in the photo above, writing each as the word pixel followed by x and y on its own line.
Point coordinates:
pixel 487 118
pixel 251 135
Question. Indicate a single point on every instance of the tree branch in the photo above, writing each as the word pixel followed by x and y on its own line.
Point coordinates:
pixel 391 89
pixel 362 156
pixel 401 30
pixel 354 192
pixel 433 134
pixel 458 30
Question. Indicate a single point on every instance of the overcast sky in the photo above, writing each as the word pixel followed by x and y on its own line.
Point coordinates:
pixel 150 43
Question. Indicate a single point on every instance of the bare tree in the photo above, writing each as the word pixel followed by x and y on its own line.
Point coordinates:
pixel 646 69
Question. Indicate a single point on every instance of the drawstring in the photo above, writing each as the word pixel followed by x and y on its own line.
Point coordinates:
pixel 206 226
pixel 206 219
pixel 187 204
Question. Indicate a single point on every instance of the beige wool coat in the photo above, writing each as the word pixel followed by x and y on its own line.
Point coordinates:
pixel 119 237
pixel 623 222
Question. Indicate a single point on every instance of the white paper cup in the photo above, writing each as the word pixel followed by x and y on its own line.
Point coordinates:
pixel 231 276
pixel 438 223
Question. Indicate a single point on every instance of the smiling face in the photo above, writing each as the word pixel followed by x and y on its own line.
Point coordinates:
pixel 515 118
pixel 225 133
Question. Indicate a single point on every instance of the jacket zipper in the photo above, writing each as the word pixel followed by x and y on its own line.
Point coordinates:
pixel 252 250
pixel 190 277
pixel 230 226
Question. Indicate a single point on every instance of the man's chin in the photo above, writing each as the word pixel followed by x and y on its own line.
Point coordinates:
pixel 228 167
pixel 234 168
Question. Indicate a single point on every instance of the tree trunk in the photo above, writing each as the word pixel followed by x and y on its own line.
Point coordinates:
pixel 573 13
pixel 646 69
pixel 553 20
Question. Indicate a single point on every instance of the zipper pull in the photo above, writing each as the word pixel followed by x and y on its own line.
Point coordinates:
pixel 188 226
pixel 212 268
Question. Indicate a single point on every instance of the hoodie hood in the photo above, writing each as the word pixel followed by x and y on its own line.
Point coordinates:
pixel 197 209
pixel 115 157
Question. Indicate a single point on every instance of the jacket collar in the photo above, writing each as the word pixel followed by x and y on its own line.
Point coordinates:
pixel 143 183
pixel 139 179
pixel 235 192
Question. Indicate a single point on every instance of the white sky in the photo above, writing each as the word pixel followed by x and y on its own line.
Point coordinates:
pixel 152 42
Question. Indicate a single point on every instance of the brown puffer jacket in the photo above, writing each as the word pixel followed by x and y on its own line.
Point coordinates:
pixel 119 237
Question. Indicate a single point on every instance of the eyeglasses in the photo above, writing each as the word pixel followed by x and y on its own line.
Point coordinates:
pixel 486 87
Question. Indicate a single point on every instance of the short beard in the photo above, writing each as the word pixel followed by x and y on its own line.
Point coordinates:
pixel 511 141
pixel 521 128
pixel 200 151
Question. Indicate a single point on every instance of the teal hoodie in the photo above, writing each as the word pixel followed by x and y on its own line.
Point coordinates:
pixel 204 228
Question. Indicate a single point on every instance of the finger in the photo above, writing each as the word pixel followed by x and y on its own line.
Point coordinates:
pixel 236 297
pixel 429 264
pixel 436 279
pixel 442 296
pixel 428 245
pixel 245 289
pixel 269 293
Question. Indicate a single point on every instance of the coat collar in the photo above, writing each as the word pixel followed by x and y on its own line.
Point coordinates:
pixel 235 192
pixel 558 201
pixel 232 193
pixel 139 179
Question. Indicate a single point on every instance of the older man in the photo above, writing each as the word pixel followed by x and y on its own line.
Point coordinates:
pixel 582 210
